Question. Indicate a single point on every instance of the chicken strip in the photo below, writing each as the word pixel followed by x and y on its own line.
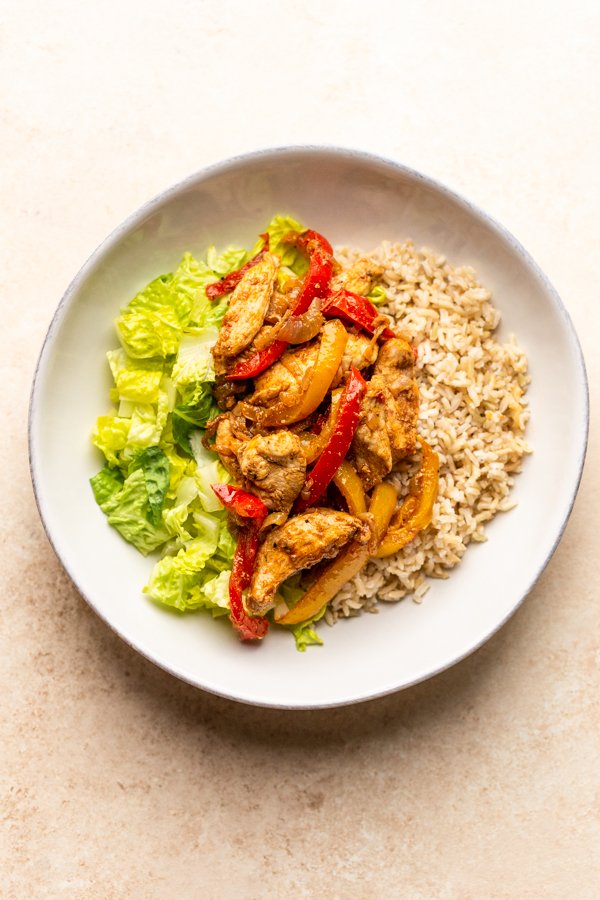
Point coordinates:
pixel 248 305
pixel 360 352
pixel 387 430
pixel 231 437
pixel 302 542
pixel 395 364
pixel 371 450
pixel 274 468
pixel 286 379
pixel 396 367
pixel 359 277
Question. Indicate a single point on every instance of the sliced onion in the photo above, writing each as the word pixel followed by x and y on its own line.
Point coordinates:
pixel 299 329
pixel 275 518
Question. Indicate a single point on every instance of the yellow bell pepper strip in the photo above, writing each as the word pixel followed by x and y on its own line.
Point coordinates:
pixel 350 487
pixel 333 343
pixel 345 428
pixel 415 513
pixel 314 442
pixel 350 561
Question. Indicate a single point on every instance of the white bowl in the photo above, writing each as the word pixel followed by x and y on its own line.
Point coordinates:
pixel 357 199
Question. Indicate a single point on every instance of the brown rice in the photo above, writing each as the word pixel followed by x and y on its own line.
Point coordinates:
pixel 473 413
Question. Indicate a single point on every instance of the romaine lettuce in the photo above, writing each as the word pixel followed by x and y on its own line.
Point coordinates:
pixel 128 510
pixel 156 485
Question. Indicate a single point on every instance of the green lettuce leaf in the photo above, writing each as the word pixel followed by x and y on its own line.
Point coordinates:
pixel 127 510
pixel 231 259
pixel 209 471
pixel 136 380
pixel 175 517
pixel 105 484
pixel 174 577
pixel 304 633
pixel 212 594
pixel 189 278
pixel 290 257
pixel 155 466
pixel 188 418
pixel 149 325
pixel 110 436
pixel 194 364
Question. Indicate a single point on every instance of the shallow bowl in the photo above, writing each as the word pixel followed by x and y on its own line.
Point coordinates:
pixel 357 199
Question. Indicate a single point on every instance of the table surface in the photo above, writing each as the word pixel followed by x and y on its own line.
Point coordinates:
pixel 118 781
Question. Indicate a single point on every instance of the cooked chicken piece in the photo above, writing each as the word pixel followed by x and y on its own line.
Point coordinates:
pixel 371 449
pixel 360 352
pixel 286 379
pixel 300 543
pixel 247 307
pixel 274 468
pixel 387 430
pixel 395 364
pixel 359 277
pixel 231 437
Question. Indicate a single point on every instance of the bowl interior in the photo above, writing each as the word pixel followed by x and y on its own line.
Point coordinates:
pixel 353 199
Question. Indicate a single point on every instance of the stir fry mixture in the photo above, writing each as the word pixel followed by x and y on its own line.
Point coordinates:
pixel 310 405
pixel 319 404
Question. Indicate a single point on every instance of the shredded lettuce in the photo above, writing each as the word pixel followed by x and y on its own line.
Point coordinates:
pixel 149 326
pixel 191 417
pixel 305 635
pixel 155 466
pixel 127 509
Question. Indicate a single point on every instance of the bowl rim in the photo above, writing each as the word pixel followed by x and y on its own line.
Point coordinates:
pixel 334 151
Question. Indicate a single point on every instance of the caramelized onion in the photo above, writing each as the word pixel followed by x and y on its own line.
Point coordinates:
pixel 275 518
pixel 299 329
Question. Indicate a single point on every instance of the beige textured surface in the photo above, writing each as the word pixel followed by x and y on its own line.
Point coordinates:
pixel 117 781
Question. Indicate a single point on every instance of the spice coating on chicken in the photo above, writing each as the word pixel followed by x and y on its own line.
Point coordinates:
pixel 286 379
pixel 387 430
pixel 231 436
pixel 359 277
pixel 395 364
pixel 302 542
pixel 274 467
pixel 247 307
pixel 360 353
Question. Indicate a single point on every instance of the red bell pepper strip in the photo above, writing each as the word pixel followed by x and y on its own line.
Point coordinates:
pixel 356 309
pixel 320 267
pixel 310 241
pixel 258 362
pixel 336 449
pixel 249 628
pixel 241 502
pixel 226 285
pixel 247 506
pixel 316 284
